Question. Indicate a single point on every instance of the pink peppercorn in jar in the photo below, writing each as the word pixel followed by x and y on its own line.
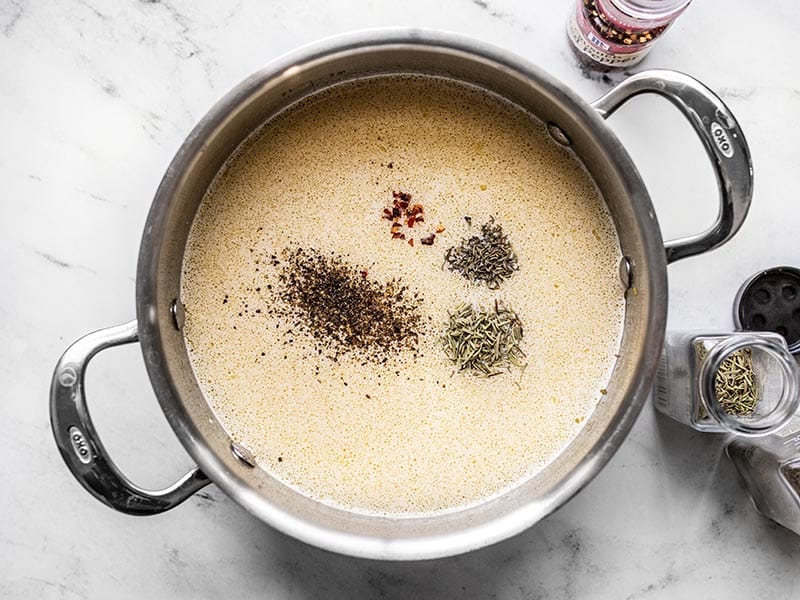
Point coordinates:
pixel 609 34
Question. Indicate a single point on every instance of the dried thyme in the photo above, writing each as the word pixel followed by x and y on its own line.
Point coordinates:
pixel 346 311
pixel 487 258
pixel 484 342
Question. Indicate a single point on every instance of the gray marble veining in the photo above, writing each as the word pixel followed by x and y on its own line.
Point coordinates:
pixel 95 98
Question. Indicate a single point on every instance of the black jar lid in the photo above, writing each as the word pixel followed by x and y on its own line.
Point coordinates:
pixel 770 301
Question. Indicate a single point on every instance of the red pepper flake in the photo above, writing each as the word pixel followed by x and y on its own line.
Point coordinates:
pixel 364 274
pixel 428 240
pixel 400 213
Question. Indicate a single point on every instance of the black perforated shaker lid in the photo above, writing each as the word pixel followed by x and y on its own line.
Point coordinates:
pixel 770 301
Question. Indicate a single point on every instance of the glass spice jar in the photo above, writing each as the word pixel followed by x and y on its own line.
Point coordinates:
pixel 770 468
pixel 745 383
pixel 609 34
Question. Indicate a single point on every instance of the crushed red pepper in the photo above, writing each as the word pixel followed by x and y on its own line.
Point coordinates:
pixel 403 212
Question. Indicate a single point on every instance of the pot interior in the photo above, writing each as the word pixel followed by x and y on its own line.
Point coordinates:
pixel 260 98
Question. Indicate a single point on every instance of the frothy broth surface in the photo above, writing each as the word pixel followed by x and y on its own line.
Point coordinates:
pixel 407 435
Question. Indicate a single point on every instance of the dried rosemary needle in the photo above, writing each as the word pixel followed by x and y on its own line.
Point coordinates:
pixel 735 383
pixel 484 342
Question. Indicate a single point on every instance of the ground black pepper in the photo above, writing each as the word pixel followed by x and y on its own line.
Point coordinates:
pixel 346 311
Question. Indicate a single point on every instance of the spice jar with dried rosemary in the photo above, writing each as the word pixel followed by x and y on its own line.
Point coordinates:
pixel 745 383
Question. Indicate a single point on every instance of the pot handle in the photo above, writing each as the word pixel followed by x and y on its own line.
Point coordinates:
pixel 79 444
pixel 722 138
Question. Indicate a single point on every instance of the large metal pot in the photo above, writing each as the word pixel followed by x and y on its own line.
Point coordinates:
pixel 572 121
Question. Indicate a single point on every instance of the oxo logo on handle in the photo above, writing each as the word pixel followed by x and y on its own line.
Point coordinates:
pixel 721 140
pixel 79 445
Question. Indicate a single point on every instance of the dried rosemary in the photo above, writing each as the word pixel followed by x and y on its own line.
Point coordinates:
pixel 484 342
pixel 735 383
pixel 488 258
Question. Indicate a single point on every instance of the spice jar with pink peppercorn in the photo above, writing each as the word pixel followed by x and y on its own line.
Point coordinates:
pixel 610 34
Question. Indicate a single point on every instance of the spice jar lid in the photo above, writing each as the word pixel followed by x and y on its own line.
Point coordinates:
pixel 770 301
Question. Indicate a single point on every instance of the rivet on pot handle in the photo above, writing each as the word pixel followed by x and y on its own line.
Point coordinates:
pixel 79 444
pixel 721 137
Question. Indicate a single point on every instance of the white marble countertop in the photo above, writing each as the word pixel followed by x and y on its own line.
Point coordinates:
pixel 95 98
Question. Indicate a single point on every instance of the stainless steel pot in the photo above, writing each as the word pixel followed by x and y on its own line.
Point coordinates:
pixel 572 122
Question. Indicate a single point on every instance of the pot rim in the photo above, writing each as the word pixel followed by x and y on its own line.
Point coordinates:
pixel 366 546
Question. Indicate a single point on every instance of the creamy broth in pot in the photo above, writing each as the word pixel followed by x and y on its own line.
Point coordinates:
pixel 395 428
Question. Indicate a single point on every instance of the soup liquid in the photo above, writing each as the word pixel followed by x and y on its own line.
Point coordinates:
pixel 412 435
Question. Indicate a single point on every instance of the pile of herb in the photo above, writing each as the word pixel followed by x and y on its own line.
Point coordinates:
pixel 487 258
pixel 735 383
pixel 484 342
pixel 345 310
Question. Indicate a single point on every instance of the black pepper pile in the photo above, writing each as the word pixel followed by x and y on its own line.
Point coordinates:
pixel 345 310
